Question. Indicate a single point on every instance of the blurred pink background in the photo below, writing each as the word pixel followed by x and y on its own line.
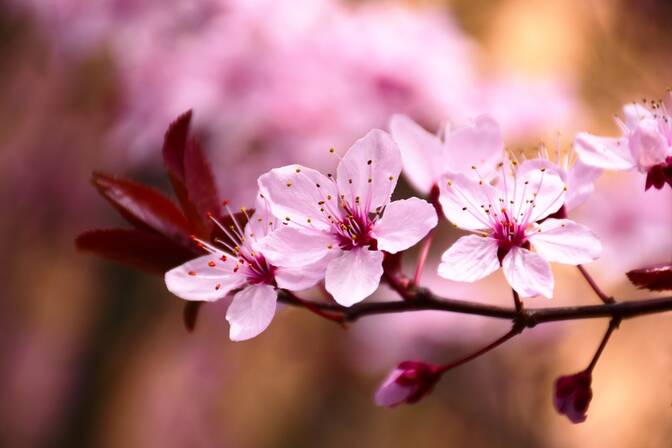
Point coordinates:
pixel 94 354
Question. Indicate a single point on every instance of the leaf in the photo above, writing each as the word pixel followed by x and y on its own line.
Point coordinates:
pixel 199 181
pixel 654 278
pixel 190 314
pixel 175 143
pixel 137 248
pixel 144 207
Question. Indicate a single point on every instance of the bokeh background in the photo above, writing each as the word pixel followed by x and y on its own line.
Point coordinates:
pixel 95 354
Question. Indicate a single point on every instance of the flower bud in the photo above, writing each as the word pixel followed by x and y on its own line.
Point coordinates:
pixel 407 383
pixel 572 395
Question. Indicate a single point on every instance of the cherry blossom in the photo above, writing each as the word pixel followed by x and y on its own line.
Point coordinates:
pixel 235 264
pixel 645 143
pixel 508 221
pixel 343 225
pixel 407 383
pixel 456 148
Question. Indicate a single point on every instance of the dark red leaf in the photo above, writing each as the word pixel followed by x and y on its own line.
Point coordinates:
pixel 200 183
pixel 144 207
pixel 138 248
pixel 655 278
pixel 190 314
pixel 175 144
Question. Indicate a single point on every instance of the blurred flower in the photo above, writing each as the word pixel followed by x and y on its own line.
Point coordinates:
pixel 344 225
pixel 407 383
pixel 572 395
pixel 646 143
pixel 427 157
pixel 507 220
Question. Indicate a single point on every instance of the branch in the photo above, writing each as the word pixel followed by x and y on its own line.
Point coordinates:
pixel 421 299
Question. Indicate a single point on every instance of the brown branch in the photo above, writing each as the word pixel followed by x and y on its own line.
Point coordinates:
pixel 421 299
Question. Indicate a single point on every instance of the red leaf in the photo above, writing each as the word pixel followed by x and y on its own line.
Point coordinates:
pixel 144 207
pixel 654 278
pixel 190 314
pixel 175 143
pixel 200 183
pixel 137 248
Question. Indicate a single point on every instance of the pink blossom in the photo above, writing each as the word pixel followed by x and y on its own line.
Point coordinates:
pixel 407 383
pixel 572 395
pixel 343 226
pixel 427 156
pixel 239 265
pixel 645 143
pixel 508 222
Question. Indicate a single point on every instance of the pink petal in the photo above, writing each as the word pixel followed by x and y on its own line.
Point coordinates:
pixel 354 276
pixel 603 152
pixel 421 152
pixel 580 184
pixel 528 273
pixel 296 192
pixel 634 113
pixel 564 241
pixel 251 311
pixel 291 247
pixel 464 201
pixel 369 170
pixel 471 258
pixel 403 224
pixel 300 278
pixel 648 145
pixel 391 393
pixel 539 184
pixel 478 144
pixel 198 280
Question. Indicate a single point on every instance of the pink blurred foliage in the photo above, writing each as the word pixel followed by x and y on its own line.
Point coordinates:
pixel 279 81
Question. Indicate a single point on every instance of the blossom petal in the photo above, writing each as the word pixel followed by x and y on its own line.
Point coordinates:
pixel 205 278
pixel 251 311
pixel 403 224
pixel 603 152
pixel 421 152
pixel 471 258
pixel 580 184
pixel 539 190
pixel 564 241
pixel 303 195
pixel 528 273
pixel 354 275
pixel 392 392
pixel 369 170
pixel 478 144
pixel 648 145
pixel 465 201
pixel 634 113
pixel 291 247
pixel 300 278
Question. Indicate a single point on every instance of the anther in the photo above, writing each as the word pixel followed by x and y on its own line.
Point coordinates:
pixel 192 273
pixel 211 264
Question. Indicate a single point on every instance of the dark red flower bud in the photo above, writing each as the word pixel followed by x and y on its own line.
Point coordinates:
pixel 407 383
pixel 572 395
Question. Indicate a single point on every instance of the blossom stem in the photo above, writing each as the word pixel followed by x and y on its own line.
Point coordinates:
pixel 604 297
pixel 315 308
pixel 516 301
pixel 613 324
pixel 422 257
pixel 515 330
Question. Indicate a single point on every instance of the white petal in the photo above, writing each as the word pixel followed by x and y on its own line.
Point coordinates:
pixel 354 276
pixel 369 170
pixel 528 273
pixel 421 152
pixel 634 113
pixel 251 311
pixel 539 190
pixel 477 144
pixel 197 280
pixel 471 258
pixel 297 192
pixel 580 184
pixel 292 247
pixel 391 393
pixel 648 145
pixel 403 224
pixel 564 241
pixel 297 279
pixel 464 201
pixel 603 152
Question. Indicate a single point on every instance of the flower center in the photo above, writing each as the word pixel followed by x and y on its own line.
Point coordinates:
pixel 508 233
pixel 354 229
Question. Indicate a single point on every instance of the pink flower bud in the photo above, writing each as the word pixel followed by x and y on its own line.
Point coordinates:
pixel 572 395
pixel 407 383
